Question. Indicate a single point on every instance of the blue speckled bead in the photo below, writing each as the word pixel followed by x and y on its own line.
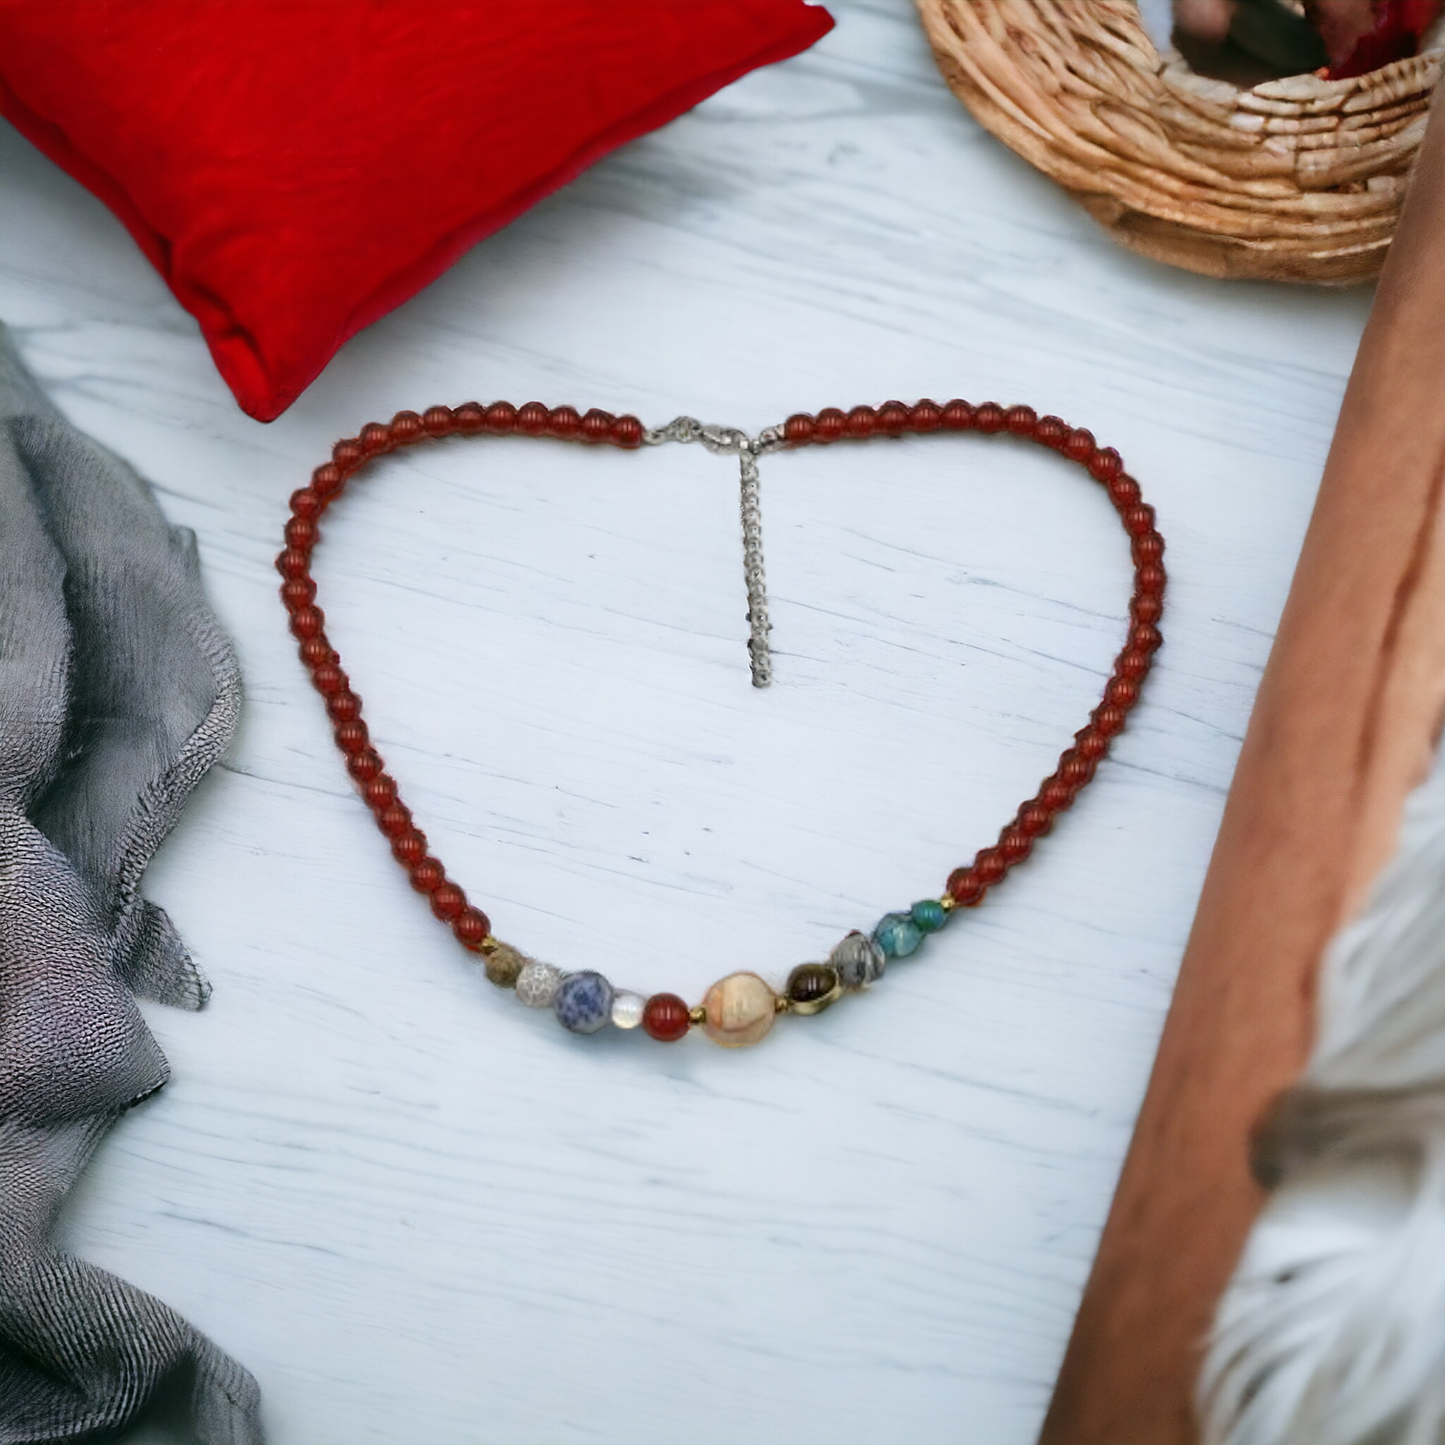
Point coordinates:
pixel 929 914
pixel 897 935
pixel 583 1002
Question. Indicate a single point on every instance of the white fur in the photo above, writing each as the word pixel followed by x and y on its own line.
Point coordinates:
pixel 1332 1331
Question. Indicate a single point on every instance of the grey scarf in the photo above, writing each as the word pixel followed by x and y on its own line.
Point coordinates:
pixel 118 690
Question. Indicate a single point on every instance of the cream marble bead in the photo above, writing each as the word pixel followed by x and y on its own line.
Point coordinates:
pixel 537 984
pixel 738 1010
pixel 627 1009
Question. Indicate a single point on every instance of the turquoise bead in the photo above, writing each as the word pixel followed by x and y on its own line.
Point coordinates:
pixel 929 914
pixel 897 935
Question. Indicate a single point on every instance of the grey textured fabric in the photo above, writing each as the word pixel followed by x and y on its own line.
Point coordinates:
pixel 118 690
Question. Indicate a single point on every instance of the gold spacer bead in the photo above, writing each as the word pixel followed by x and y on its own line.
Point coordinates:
pixel 696 1014
pixel 948 903
pixel 782 1005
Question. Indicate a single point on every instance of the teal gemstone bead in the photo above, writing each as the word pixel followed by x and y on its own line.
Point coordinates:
pixel 929 914
pixel 897 935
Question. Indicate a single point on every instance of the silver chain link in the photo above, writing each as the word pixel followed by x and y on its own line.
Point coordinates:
pixel 727 440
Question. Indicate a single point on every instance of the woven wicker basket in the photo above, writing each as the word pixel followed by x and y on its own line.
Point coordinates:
pixel 1295 180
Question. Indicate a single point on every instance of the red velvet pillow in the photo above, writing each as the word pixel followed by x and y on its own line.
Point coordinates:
pixel 296 168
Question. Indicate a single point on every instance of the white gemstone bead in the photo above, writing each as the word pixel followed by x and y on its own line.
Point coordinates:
pixel 537 984
pixel 627 1009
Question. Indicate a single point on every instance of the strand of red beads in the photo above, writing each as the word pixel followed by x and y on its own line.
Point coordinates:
pixel 739 1009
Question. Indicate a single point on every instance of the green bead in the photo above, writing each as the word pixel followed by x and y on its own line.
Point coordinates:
pixel 929 914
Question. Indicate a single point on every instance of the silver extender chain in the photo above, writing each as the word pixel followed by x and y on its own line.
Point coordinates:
pixel 723 440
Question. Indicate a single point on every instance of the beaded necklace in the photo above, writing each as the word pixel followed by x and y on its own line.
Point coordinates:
pixel 741 1008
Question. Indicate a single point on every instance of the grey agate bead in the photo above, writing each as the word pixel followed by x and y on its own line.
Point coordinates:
pixel 859 961
pixel 537 984
pixel 583 1002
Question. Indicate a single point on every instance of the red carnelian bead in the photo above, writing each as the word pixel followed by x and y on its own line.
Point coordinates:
pixel 1074 770
pixel 328 679
pixel 860 423
pixel 1149 579
pixel 343 706
pixel 394 820
pixel 892 419
pixel 347 454
pixel 958 415
pixel 410 848
pixel 471 927
pixel 1123 491
pixel 351 736
pixel 1022 421
pixel 627 432
pixel 1145 636
pixel 597 425
pixel 380 791
pixel 1105 464
pixel 437 421
pixel 1121 692
pixel 374 438
pixel 1079 445
pixel 470 418
pixel 448 902
pixel 1014 844
pixel 1090 743
pixel 564 422
pixel 364 765
pixel 316 652
pixel 427 875
pixel 301 532
pixel 297 592
pixel 988 863
pixel 406 426
pixel 1132 662
pixel 964 887
pixel 989 417
pixel 502 418
pixel 925 416
pixel 666 1017
pixel 293 562
pixel 532 419
pixel 798 429
pixel 1035 819
pixel 1109 719
pixel 1052 431
pixel 326 480
pixel 1147 547
pixel 305 503
pixel 1138 519
pixel 1056 795
pixel 1146 608
pixel 829 425
pixel 307 622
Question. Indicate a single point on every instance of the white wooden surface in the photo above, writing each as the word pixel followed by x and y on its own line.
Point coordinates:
pixel 420 1213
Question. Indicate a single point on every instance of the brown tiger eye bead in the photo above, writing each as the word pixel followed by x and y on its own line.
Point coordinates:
pixel 503 965
pixel 812 987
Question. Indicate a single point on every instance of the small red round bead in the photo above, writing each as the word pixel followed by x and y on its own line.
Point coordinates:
pixel 1074 770
pixel 394 820
pixel 409 848
pixel 305 503
pixel 925 416
pixel 448 901
pixel 406 427
pixel 471 927
pixel 501 418
pixel 1056 795
pixel 374 438
pixel 829 424
pixel 380 792
pixel 328 679
pixel 1109 720
pixel 990 866
pixel 308 622
pixel 965 887
pixel 343 706
pixel 892 419
pixel 1122 692
pixel 437 421
pixel 1079 445
pixel 297 592
pixel 326 480
pixel 564 423
pixel 798 429
pixel 351 736
pixel 1014 844
pixel 293 563
pixel 1105 464
pixel 1147 547
pixel 597 425
pixel 1149 579
pixel 1022 421
pixel 1052 431
pixel 1138 519
pixel 627 432
pixel 348 454
pixel 1133 662
pixel 470 418
pixel 301 533
pixel 1123 491
pixel 1035 819
pixel 1090 743
pixel 1145 636
pixel 989 417
pixel 427 875
pixel 364 765
pixel 316 652
pixel 1146 607
pixel 959 415
pixel 860 423
pixel 666 1018
pixel 532 419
